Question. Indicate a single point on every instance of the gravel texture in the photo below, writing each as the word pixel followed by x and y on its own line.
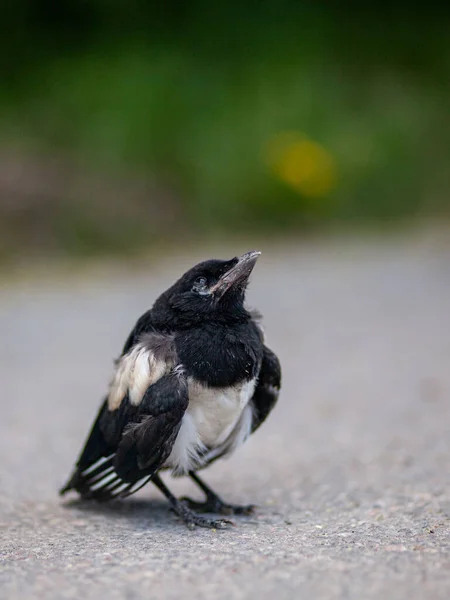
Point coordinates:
pixel 351 473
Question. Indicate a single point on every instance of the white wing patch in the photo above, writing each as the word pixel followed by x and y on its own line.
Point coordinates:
pixel 135 372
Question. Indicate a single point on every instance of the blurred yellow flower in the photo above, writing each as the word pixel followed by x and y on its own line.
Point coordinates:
pixel 301 163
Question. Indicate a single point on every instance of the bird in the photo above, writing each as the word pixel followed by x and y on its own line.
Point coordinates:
pixel 193 382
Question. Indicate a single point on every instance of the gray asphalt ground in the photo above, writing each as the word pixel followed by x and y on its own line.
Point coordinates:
pixel 351 473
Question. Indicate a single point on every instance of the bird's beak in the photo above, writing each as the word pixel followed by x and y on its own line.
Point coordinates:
pixel 237 275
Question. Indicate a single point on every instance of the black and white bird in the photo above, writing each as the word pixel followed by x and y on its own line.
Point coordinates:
pixel 194 380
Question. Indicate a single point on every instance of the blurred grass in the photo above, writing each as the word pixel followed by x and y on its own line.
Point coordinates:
pixel 194 100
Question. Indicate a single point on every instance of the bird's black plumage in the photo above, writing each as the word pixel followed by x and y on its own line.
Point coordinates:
pixel 194 380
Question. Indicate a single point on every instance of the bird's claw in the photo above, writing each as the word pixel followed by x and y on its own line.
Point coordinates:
pixel 198 521
pixel 193 520
pixel 216 506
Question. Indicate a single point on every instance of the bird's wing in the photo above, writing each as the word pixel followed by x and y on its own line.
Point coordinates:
pixel 137 424
pixel 267 389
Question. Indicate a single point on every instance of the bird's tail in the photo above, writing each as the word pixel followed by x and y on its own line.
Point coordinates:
pixel 86 481
pixel 72 483
pixel 101 482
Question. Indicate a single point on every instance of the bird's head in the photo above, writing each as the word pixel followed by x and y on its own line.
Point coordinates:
pixel 212 290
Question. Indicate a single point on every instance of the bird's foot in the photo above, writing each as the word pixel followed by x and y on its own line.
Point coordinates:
pixel 216 506
pixel 193 520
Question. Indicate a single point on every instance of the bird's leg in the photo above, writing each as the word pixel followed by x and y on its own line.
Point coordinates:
pixel 213 503
pixel 190 518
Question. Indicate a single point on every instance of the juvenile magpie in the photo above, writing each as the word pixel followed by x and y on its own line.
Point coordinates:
pixel 194 380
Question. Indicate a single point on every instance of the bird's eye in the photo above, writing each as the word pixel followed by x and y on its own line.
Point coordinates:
pixel 201 286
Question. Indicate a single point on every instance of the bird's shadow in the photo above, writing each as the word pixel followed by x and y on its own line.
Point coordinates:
pixel 140 511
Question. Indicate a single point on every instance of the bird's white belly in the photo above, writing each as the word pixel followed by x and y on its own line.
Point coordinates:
pixel 213 415
pixel 215 411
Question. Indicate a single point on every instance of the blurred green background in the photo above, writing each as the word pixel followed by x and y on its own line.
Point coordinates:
pixel 127 124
